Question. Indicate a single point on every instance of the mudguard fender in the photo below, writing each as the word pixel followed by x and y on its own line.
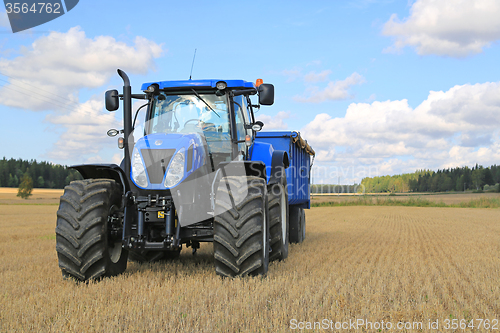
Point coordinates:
pixel 109 171
pixel 279 162
pixel 243 168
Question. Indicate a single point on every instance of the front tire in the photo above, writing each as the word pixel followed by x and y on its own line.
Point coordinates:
pixel 241 234
pixel 86 247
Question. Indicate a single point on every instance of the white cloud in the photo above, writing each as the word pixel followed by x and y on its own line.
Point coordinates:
pixel 274 122
pixel 335 90
pixel 317 77
pixel 455 28
pixel 85 131
pixel 453 128
pixel 48 75
pixel 85 135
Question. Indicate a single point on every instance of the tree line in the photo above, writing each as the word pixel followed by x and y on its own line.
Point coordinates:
pixel 451 179
pixel 43 174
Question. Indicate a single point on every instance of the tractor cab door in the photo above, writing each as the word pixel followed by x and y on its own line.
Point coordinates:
pixel 242 119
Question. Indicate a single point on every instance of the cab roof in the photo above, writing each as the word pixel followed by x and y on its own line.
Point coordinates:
pixel 198 84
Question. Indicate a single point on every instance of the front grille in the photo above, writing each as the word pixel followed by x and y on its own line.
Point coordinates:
pixel 153 159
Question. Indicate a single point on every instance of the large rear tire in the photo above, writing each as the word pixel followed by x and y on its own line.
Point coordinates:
pixel 241 234
pixel 297 224
pixel 278 220
pixel 86 248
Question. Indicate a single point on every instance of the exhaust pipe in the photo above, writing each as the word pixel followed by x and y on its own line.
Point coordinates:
pixel 127 120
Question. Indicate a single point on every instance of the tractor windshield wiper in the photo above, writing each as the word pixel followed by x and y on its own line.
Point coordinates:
pixel 201 99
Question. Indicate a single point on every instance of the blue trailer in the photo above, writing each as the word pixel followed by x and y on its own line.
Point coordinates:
pixel 297 174
pixel 199 169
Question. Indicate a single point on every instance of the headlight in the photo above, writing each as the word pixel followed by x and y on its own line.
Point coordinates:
pixel 176 170
pixel 138 170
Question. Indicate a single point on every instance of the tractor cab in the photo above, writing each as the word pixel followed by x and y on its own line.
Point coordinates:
pixel 191 127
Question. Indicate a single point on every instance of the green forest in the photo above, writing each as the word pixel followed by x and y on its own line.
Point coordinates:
pixel 458 179
pixel 43 174
pixel 48 175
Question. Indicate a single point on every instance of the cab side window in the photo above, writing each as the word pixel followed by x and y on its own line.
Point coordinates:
pixel 247 116
pixel 241 119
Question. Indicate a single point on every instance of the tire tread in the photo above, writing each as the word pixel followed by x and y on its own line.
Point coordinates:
pixel 279 246
pixel 239 248
pixel 81 240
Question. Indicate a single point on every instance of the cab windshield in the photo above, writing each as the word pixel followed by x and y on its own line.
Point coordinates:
pixel 187 113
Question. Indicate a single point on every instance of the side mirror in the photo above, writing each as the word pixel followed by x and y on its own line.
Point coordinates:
pixel 257 126
pixel 112 102
pixel 266 94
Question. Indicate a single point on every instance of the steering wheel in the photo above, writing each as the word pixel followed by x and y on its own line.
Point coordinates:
pixel 190 120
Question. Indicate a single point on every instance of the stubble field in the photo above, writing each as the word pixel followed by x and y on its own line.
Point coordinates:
pixel 388 264
pixel 445 198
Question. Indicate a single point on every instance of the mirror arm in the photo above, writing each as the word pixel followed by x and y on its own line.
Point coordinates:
pixel 252 91
pixel 136 96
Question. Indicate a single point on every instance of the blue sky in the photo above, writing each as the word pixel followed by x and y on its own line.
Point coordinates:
pixel 376 87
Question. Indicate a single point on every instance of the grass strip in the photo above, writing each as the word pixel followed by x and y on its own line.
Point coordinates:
pixel 411 202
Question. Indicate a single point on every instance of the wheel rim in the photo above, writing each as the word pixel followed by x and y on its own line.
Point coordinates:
pixel 264 231
pixel 114 246
pixel 115 251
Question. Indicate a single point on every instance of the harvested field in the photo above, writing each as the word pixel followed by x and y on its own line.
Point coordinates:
pixel 394 264
pixel 448 199
pixel 39 196
pixel 51 196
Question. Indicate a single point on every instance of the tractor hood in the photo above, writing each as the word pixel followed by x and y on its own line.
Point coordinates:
pixel 162 161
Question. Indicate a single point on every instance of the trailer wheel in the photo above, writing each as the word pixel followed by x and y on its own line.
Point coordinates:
pixel 88 241
pixel 278 220
pixel 241 232
pixel 153 256
pixel 297 224
pixel 303 224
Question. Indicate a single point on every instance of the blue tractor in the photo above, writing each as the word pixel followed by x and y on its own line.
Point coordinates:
pixel 198 169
